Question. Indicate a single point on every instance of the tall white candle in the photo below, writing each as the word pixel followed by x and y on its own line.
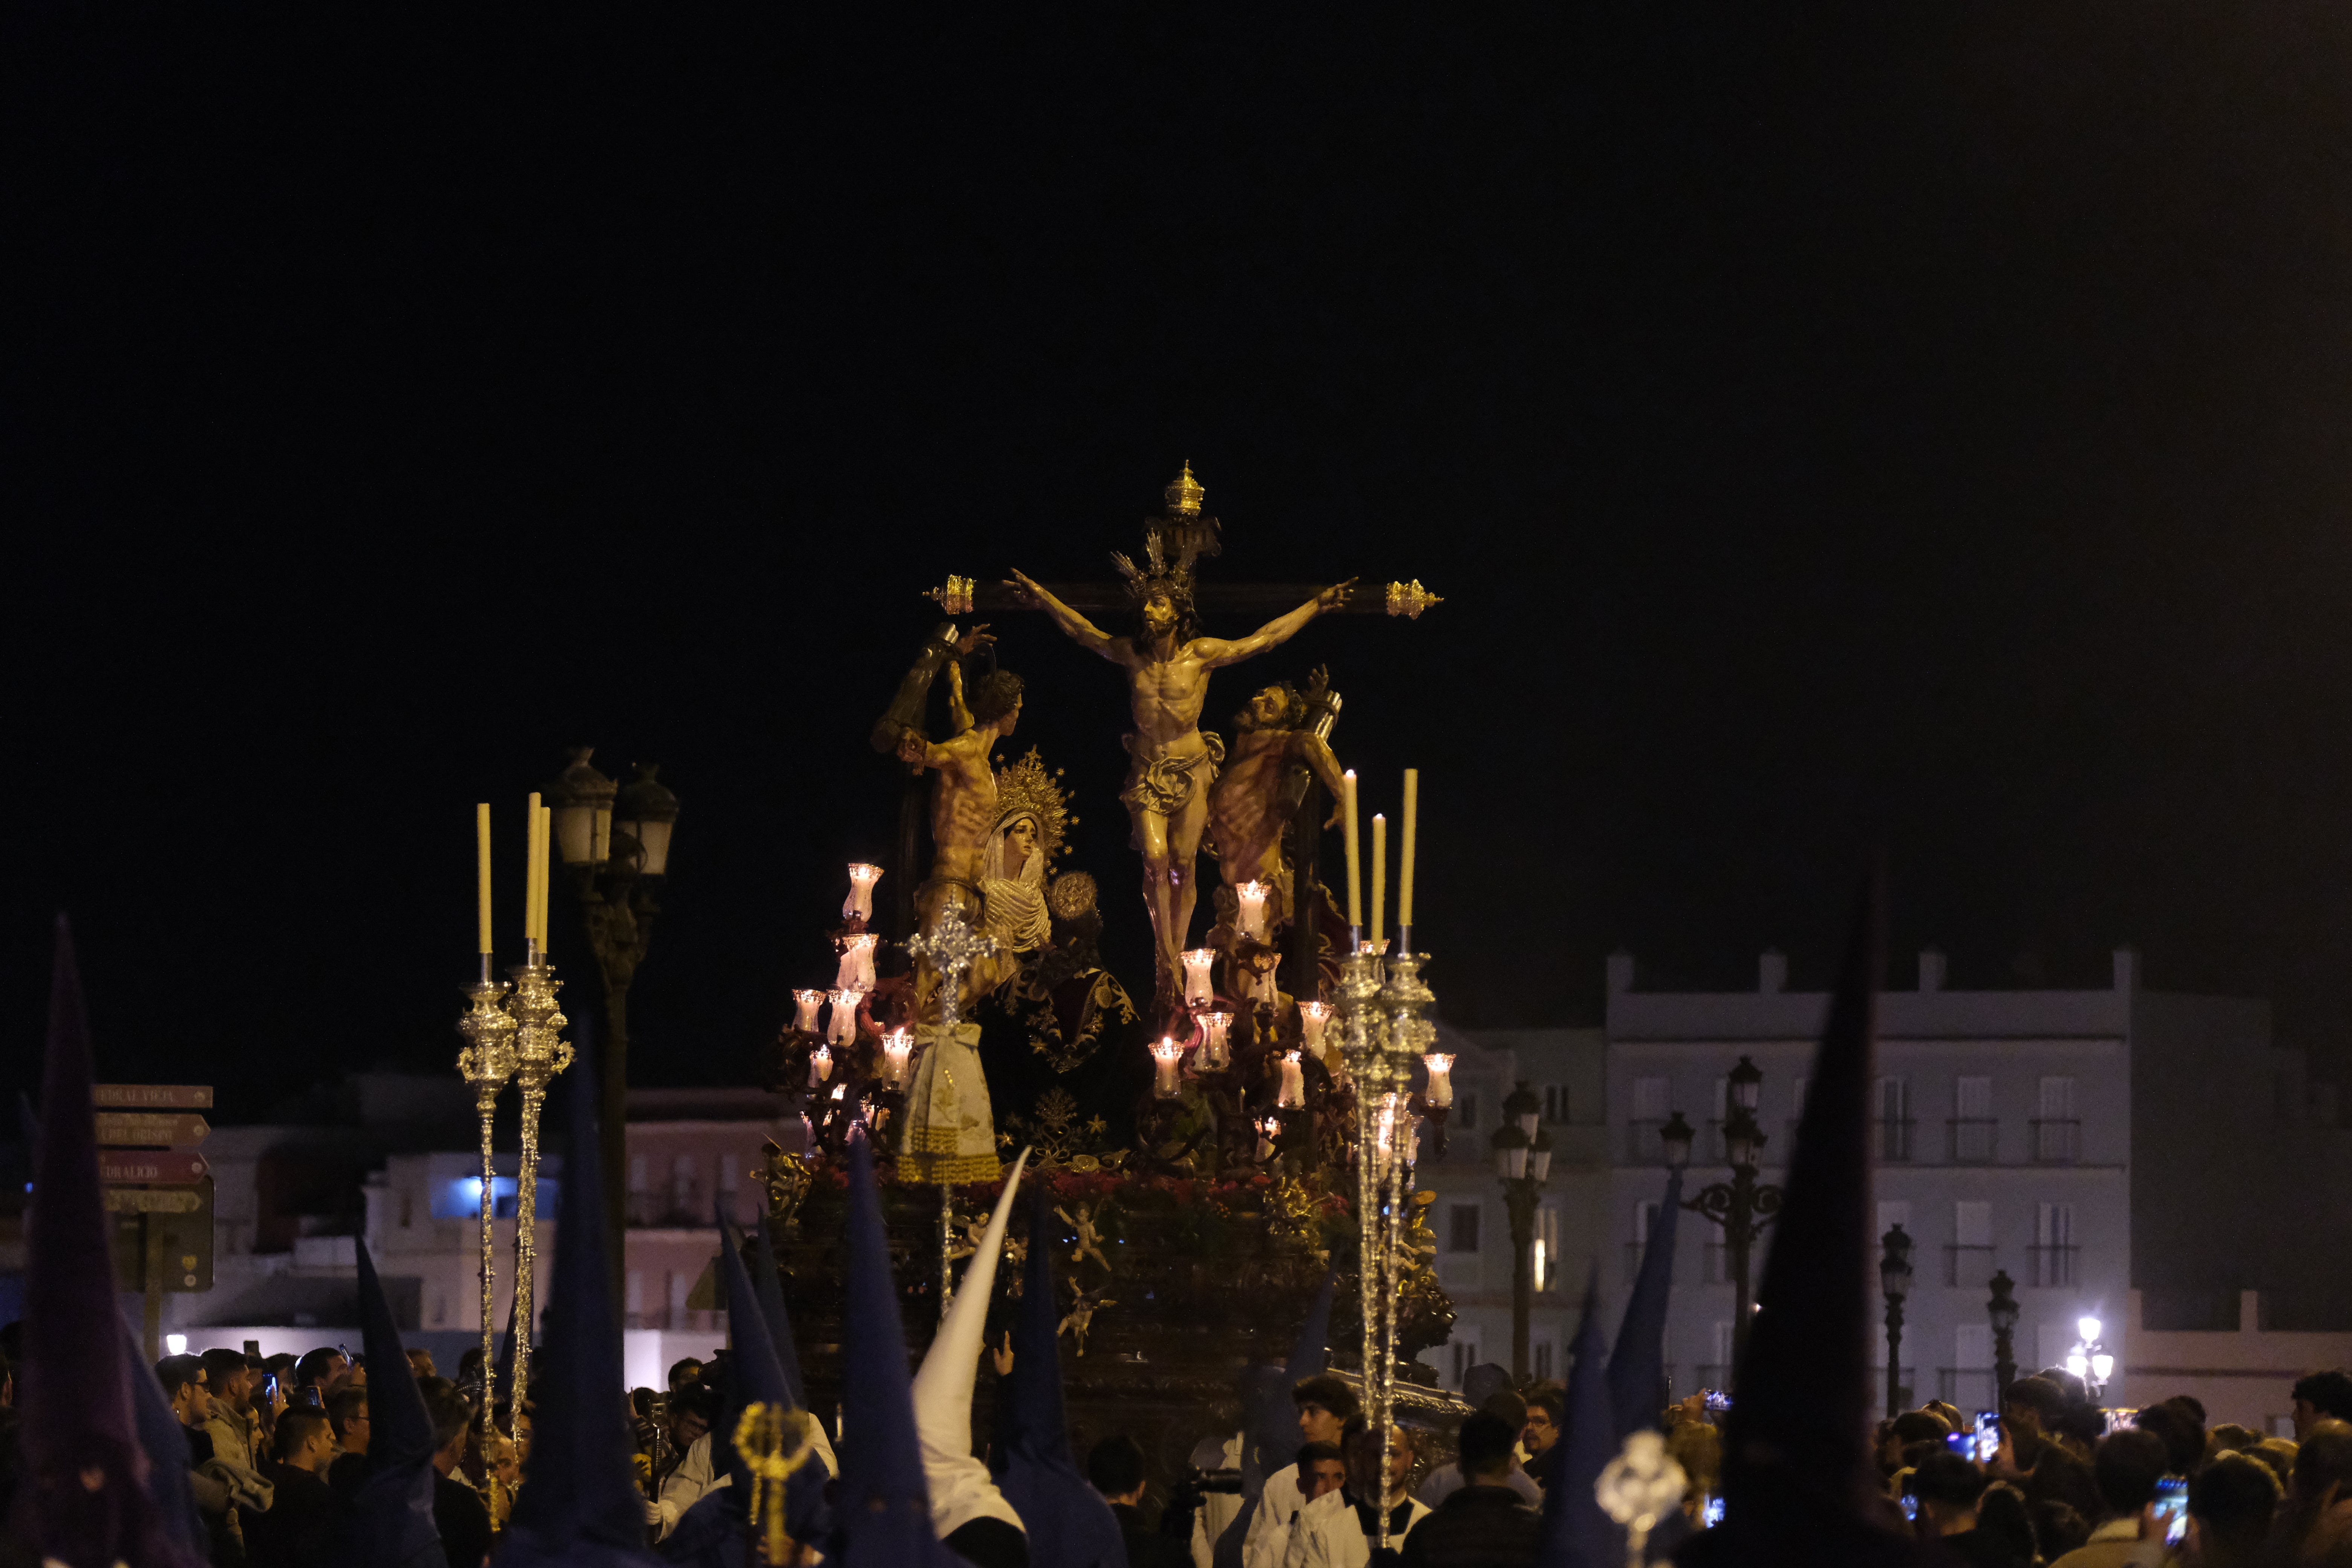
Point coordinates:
pixel 1405 872
pixel 1355 874
pixel 1380 879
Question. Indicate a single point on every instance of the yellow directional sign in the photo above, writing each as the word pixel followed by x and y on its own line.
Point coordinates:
pixel 154 1200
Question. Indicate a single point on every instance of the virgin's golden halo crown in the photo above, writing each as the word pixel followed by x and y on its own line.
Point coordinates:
pixel 1026 788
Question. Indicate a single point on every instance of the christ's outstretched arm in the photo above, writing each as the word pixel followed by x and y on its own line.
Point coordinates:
pixel 1217 652
pixel 1074 627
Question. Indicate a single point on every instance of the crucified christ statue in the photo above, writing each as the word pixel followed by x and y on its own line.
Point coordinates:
pixel 1167 666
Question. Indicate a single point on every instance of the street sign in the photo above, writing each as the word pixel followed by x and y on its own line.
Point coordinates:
pixel 152 1096
pixel 145 1130
pixel 169 1167
pixel 156 1200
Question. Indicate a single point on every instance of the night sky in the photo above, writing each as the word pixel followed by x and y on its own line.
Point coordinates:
pixel 1832 432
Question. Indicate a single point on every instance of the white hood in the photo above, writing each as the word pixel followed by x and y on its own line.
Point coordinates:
pixel 961 1489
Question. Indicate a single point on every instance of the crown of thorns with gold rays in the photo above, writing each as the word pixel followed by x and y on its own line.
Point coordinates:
pixel 1171 544
pixel 1026 789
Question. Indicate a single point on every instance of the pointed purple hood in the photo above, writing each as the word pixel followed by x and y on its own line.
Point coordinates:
pixel 1069 1524
pixel 82 1494
pixel 390 1522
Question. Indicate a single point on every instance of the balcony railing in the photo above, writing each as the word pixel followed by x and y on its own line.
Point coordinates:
pixel 1968 1265
pixel 2057 1141
pixel 1976 1140
pixel 2051 1264
pixel 1969 1387
pixel 1890 1140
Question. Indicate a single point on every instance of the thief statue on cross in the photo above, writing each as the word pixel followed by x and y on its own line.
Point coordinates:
pixel 1167 666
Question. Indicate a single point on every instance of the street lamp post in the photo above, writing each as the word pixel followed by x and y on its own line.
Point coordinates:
pixel 2002 1310
pixel 615 846
pixel 1895 1281
pixel 1740 1207
pixel 2089 1359
pixel 1522 1162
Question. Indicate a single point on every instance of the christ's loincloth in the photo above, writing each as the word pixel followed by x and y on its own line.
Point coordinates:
pixel 1163 783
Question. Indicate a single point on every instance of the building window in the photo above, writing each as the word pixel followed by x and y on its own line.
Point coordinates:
pixel 684 1201
pixel 1466 1109
pixel 1645 1216
pixel 2053 1246
pixel 1643 1146
pixel 1967 1258
pixel 1975 1132
pixel 1890 1127
pixel 1465 1356
pixel 634 1294
pixel 1461 1227
pixel 1555 1098
pixel 680 1285
pixel 1541 1354
pixel 2057 1136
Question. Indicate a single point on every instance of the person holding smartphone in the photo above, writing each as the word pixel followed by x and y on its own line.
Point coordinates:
pixel 1949 1489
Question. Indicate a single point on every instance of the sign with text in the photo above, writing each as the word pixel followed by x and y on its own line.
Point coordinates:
pixel 152 1096
pixel 168 1167
pixel 153 1200
pixel 146 1129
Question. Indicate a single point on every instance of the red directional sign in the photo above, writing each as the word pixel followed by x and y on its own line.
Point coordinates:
pixel 152 1096
pixel 169 1167
pixel 145 1130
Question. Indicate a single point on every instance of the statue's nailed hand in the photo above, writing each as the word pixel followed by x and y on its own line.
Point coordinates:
pixel 911 747
pixel 1027 592
pixel 972 641
pixel 1334 597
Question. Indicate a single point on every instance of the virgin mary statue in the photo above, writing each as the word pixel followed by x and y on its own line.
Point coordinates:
pixel 1013 883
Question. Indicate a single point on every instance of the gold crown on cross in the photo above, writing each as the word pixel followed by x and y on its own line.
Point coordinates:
pixel 1183 494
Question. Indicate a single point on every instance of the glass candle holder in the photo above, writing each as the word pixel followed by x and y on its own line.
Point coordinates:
pixel 898 1047
pixel 1251 896
pixel 1197 993
pixel 1213 1054
pixel 807 1001
pixel 859 905
pixel 844 1020
pixel 1312 1017
pixel 856 963
pixel 1293 1093
pixel 819 1066
pixel 1165 1056
pixel 1441 1080
pixel 1266 1132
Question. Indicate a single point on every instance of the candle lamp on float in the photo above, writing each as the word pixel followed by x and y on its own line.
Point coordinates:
pixel 615 849
pixel 1437 1097
pixel 1198 993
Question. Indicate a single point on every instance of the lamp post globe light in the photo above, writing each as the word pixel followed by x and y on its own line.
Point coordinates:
pixel 2002 1311
pixel 1742 1206
pixel 615 849
pixel 1522 1162
pixel 1895 1284
pixel 2090 1359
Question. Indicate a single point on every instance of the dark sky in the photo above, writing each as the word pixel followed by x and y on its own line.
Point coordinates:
pixel 1832 430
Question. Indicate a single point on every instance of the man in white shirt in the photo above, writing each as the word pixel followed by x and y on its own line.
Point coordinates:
pixel 1338 1530
pixel 1324 1406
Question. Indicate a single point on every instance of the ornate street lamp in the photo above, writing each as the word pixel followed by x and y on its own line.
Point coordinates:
pixel 1740 1207
pixel 2089 1359
pixel 1895 1282
pixel 1522 1162
pixel 2002 1310
pixel 615 849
